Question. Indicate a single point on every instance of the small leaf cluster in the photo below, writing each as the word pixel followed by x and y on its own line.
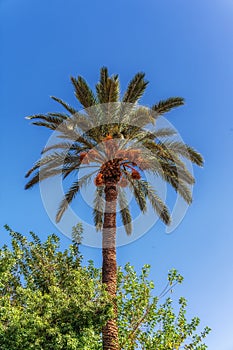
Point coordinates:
pixel 146 323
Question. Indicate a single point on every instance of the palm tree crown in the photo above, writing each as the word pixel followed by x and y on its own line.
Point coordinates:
pixel 111 135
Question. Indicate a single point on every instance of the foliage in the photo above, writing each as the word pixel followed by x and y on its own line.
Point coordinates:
pixel 48 300
pixel 145 323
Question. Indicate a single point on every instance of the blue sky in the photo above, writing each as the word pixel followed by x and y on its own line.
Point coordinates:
pixel 185 48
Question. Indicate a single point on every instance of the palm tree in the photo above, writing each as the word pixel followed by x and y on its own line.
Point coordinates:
pixel 110 139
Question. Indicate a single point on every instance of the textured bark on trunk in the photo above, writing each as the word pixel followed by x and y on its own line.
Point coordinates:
pixel 109 267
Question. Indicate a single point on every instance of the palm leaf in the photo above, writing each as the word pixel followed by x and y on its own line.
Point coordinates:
pixel 156 202
pixel 64 145
pixel 164 132
pixel 40 176
pixel 57 157
pixel 135 89
pixel 54 118
pixel 139 195
pixel 83 92
pixel 80 121
pixel 46 125
pixel 108 87
pixel 141 117
pixel 54 160
pixel 169 172
pixel 162 157
pixel 179 186
pixel 65 105
pixel 66 132
pixel 185 151
pixel 71 193
pixel 101 86
pixel 166 105
pixel 113 89
pixel 174 170
pixel 59 115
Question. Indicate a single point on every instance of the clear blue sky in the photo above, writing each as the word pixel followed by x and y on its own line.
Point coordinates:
pixel 185 48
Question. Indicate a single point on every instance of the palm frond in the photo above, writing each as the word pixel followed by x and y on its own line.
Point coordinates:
pixel 101 86
pixel 175 169
pixel 156 202
pixel 141 116
pixel 139 195
pixel 59 115
pixel 160 156
pixel 72 165
pixel 81 121
pixel 64 145
pixel 178 168
pixel 164 132
pixel 184 191
pixel 166 105
pixel 125 212
pixel 179 186
pixel 129 131
pixel 64 104
pixel 46 125
pixel 135 89
pixel 54 160
pixel 107 88
pixel 51 120
pixel 113 89
pixel 178 177
pixel 146 136
pixel 98 210
pixel 195 156
pixel 40 176
pixel 69 133
pixel 57 157
pixel 70 195
pixel 83 92
pixel 55 118
pixel 185 151
pixel 67 170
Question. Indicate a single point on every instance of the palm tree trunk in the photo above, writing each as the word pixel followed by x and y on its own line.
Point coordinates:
pixel 109 267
